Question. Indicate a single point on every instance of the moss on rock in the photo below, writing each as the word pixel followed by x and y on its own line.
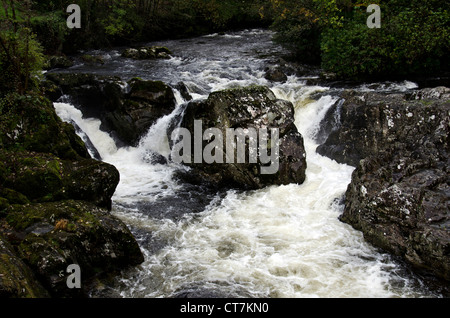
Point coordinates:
pixel 50 236
pixel 16 278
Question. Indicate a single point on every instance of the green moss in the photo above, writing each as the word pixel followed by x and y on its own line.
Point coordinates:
pixel 4 204
pixel 16 279
pixel 91 59
pixel 38 176
pixel 78 214
pixel 14 197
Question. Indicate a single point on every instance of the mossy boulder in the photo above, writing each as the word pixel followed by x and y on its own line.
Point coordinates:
pixel 43 177
pixel 92 59
pixel 56 61
pixel 16 279
pixel 54 205
pixel 51 236
pixel 30 122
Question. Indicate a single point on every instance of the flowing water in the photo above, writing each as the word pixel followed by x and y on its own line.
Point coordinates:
pixel 281 241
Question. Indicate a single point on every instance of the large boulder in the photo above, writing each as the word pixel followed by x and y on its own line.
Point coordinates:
pixel 16 278
pixel 43 177
pixel 362 124
pixel 51 236
pixel 252 108
pixel 30 122
pixel 125 114
pixel 399 194
pixel 54 205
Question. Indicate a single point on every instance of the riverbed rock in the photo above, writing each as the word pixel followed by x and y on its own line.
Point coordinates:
pixel 147 53
pixel 254 107
pixel 275 74
pixel 58 62
pixel 399 194
pixel 126 114
pixel 362 124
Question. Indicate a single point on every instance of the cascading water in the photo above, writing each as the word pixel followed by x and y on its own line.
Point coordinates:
pixel 281 241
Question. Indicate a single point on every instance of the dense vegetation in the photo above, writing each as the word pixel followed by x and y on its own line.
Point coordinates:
pixel 112 22
pixel 413 38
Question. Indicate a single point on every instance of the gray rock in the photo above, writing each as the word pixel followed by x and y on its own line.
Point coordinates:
pixel 147 53
pixel 125 115
pixel 253 107
pixel 399 194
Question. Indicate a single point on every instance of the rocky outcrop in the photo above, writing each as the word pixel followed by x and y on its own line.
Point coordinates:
pixel 256 108
pixel 54 205
pixel 147 53
pixel 399 194
pixel 126 114
pixel 362 124
pixel 43 177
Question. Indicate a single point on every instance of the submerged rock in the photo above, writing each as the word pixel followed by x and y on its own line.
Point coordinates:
pixel 399 194
pixel 252 108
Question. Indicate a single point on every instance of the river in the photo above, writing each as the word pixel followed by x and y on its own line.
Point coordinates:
pixel 281 241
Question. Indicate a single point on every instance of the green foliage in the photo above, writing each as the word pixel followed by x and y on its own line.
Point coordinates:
pixel 413 38
pixel 299 24
pixel 21 57
pixel 21 60
pixel 51 30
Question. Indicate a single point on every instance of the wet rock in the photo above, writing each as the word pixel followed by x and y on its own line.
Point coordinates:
pixel 70 232
pixel 32 123
pixel 58 62
pixel 184 91
pixel 92 59
pixel 439 92
pixel 255 108
pixel 362 124
pixel 147 53
pixel 399 194
pixel 328 76
pixel 43 177
pixel 126 115
pixel 16 278
pixel 54 202
pixel 275 75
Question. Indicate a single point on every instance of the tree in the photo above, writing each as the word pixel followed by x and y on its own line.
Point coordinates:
pixel 21 57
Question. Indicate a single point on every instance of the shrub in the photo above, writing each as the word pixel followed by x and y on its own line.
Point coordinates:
pixel 411 41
